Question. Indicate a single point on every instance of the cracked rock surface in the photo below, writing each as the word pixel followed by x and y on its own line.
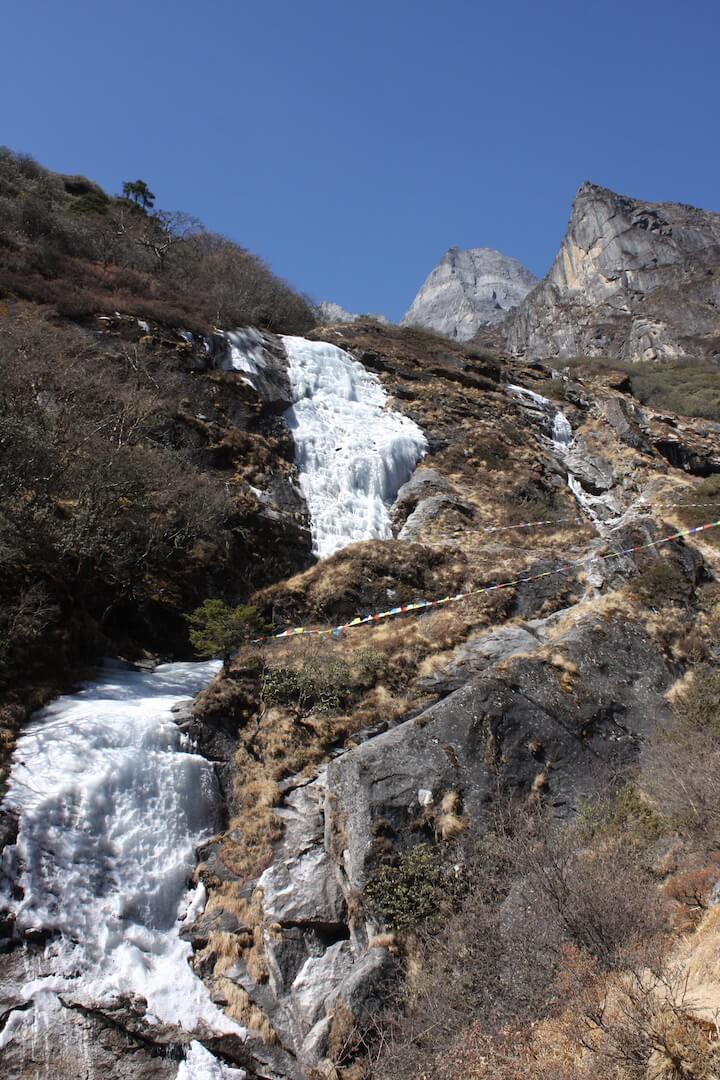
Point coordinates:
pixel 632 280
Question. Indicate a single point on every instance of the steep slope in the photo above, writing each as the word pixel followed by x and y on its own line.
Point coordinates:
pixel 468 290
pixel 632 280
pixel 519 630
pixel 538 673
pixel 344 753
pixel 143 469
pixel 143 465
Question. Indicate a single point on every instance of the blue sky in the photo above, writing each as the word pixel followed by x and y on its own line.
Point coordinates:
pixel 351 144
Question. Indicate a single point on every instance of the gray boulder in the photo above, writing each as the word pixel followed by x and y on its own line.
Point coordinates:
pixel 527 725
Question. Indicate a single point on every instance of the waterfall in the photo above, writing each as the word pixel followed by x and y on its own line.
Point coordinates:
pixel 562 430
pixel 530 395
pixel 352 452
pixel 111 806
pixel 562 437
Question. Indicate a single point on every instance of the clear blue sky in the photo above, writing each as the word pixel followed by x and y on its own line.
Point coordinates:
pixel 350 144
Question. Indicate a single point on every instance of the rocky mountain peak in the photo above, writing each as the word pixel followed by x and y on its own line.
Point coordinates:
pixel 329 313
pixel 633 279
pixel 469 289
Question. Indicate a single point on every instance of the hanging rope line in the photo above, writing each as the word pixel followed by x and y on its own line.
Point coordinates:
pixel 533 524
pixel 421 605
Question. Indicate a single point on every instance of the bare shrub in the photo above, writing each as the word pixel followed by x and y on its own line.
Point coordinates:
pixel 600 899
pixel 192 276
pixel 538 894
pixel 104 512
pixel 682 762
pixel 691 892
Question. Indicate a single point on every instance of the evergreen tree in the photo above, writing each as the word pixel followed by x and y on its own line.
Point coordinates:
pixel 216 629
pixel 139 193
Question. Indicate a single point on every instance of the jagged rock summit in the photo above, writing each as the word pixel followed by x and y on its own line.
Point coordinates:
pixel 633 280
pixel 467 290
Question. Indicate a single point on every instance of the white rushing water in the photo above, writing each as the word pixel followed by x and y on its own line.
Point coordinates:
pixel 352 452
pixel 111 807
pixel 529 395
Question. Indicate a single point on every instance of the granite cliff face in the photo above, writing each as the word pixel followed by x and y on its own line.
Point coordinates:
pixel 633 280
pixel 468 290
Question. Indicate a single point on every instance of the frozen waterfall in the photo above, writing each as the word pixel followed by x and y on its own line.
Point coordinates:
pixel 111 806
pixel 562 431
pixel 351 451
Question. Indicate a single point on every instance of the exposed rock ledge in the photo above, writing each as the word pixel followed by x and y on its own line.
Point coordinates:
pixel 517 721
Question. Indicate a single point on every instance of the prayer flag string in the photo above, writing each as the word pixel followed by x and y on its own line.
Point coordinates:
pixel 421 605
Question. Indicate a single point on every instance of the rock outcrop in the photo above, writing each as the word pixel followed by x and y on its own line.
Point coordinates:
pixel 632 280
pixel 468 290
pixel 522 725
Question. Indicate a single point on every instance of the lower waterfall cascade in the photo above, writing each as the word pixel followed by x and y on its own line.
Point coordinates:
pixel 352 453
pixel 111 805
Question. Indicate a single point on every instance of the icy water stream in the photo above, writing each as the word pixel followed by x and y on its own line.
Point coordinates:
pixel 111 805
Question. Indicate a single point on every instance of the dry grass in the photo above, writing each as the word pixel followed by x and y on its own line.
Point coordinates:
pixel 239 1008
pixel 276 742
pixel 606 607
pixel 223 948
pixel 681 635
pixel 448 823
pixel 383 941
pixel 635 1024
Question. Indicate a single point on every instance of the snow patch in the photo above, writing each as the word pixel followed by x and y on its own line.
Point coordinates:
pixel 199 1064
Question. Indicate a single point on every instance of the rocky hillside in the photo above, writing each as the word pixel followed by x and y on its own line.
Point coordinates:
pixel 468 290
pixel 328 312
pixel 471 829
pixel 355 766
pixel 632 280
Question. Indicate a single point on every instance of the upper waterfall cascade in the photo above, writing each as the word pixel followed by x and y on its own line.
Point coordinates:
pixel 562 429
pixel 353 454
pixel 111 807
pixel 563 439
